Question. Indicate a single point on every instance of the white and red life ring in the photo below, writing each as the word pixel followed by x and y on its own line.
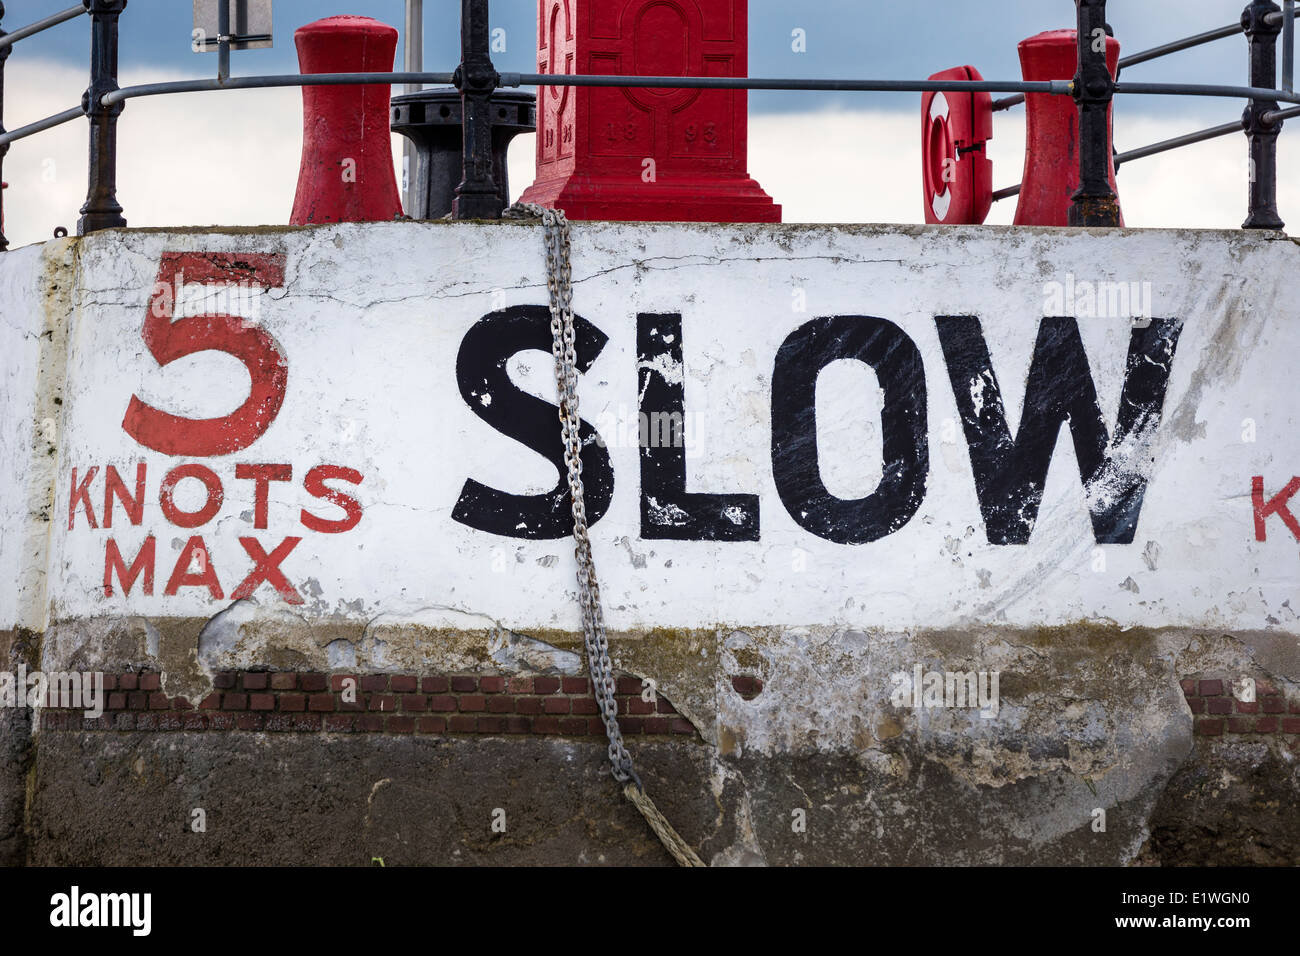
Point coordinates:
pixel 956 173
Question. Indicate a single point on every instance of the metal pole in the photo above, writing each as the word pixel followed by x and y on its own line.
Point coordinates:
pixel 1145 56
pixel 1189 139
pixel 1288 46
pixel 1177 46
pixel 1051 87
pixel 223 40
pixel 41 125
pixel 618 81
pixel 9 39
pixel 102 210
pixel 476 196
pixel 1164 146
pixel 1208 89
pixel 1292 113
pixel 1094 202
pixel 413 63
pixel 1262 134
pixel 4 55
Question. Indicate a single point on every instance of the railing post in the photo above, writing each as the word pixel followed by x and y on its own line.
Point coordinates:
pixel 1288 45
pixel 412 62
pixel 476 196
pixel 4 55
pixel 1261 133
pixel 223 40
pixel 102 210
pixel 1094 203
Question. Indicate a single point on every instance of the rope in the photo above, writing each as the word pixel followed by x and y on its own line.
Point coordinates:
pixel 559 281
pixel 672 841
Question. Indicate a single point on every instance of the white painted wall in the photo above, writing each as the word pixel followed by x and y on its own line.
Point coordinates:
pixel 371 320
pixel 32 326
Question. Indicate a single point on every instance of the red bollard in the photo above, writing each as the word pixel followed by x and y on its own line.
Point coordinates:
pixel 1052 135
pixel 347 157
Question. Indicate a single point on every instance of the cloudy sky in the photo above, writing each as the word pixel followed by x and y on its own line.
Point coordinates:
pixel 232 157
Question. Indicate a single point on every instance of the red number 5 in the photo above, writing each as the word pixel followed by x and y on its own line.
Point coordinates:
pixel 168 341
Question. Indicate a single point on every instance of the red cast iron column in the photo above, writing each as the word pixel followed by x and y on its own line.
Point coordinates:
pixel 641 154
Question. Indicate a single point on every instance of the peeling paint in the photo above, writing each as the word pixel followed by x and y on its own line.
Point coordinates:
pixel 1089 639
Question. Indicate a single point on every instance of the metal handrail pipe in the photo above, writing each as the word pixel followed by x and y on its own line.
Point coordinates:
pixel 53 20
pixel 271 82
pixel 31 129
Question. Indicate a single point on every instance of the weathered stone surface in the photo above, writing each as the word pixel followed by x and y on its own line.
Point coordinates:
pixel 1233 803
pixel 784 649
pixel 16 648
pixel 819 767
pixel 127 799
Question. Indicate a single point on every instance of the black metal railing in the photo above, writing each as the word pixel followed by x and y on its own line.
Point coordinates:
pixel 477 196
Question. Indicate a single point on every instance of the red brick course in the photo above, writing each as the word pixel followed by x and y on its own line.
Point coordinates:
pixel 1212 699
pixel 501 704
pixel 288 702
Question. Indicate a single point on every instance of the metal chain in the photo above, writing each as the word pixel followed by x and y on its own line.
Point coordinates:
pixel 559 281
